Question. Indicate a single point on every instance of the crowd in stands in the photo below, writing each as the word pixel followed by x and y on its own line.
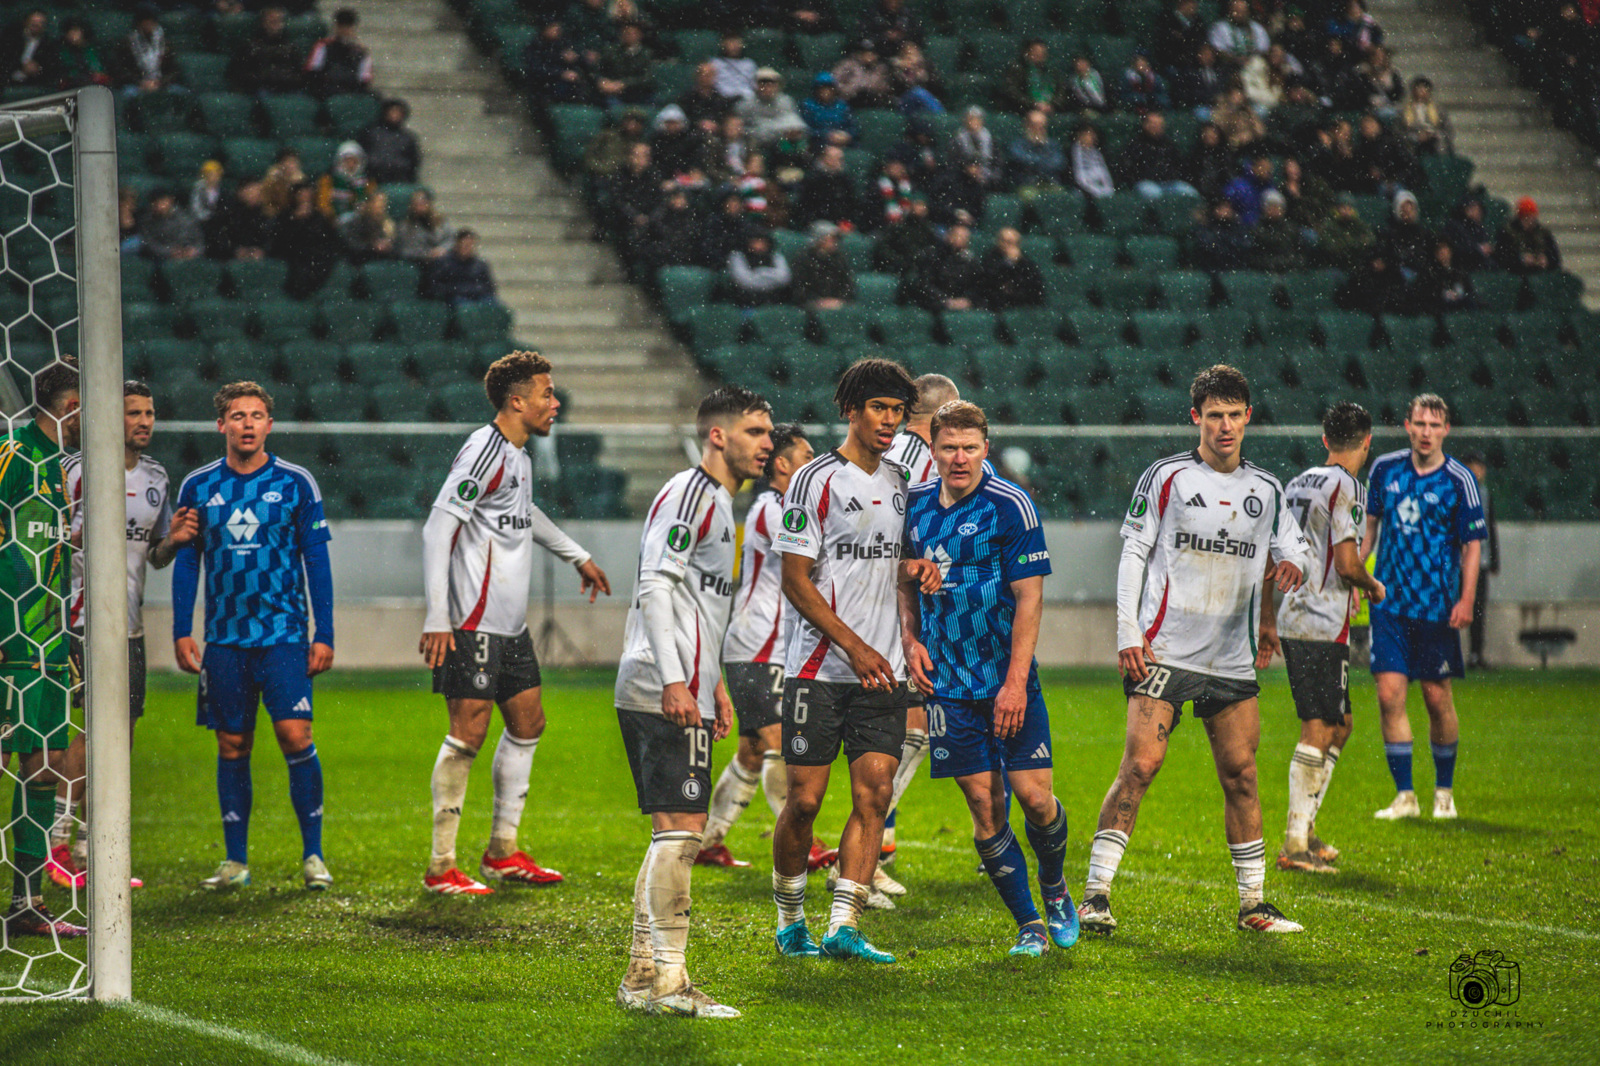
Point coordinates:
pixel 1281 127
pixel 1556 47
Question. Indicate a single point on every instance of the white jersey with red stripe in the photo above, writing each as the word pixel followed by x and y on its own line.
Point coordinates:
pixel 1207 538
pixel 689 538
pixel 490 491
pixel 759 608
pixel 149 519
pixel 853 524
pixel 913 453
pixel 1331 507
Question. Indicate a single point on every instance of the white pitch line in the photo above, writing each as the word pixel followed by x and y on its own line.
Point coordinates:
pixel 255 1041
pixel 1338 901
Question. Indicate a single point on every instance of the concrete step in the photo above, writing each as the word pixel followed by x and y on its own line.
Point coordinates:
pixel 1457 98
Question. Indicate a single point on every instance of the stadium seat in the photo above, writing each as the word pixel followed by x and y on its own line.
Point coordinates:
pixel 375 363
pixel 251 279
pixel 1496 291
pixel 1409 335
pixel 180 154
pixel 843 325
pixel 1556 291
pixel 226 114
pixel 1060 212
pixel 779 325
pixel 243 357
pixel 401 401
pixel 162 112
pixel 1124 290
pixel 418 320
pixel 158 359
pixel 1066 288
pixel 215 319
pixel 715 325
pixel 1185 290
pixel 138 279
pixel 1003 369
pixel 1250 289
pixel 248 155
pixel 316 153
pixel 1346 331
pixel 350 113
pixel 459 401
pixel 1091 252
pixel 349 321
pixel 970 329
pixel 1540 331
pixel 1152 253
pixel 1286 332
pixel 876 291
pixel 291 115
pixel 1479 330
pixel 1097 329
pixel 1124 214
pixel 857 248
pixel 185 398
pixel 1176 216
pixel 279 320
pixel 1222 331
pixel 1311 291
pixel 1161 329
pixel 483 322
pixel 822 51
pixel 188 280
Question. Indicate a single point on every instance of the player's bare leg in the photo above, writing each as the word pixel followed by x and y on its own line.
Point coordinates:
pixel 1397 744
pixel 1144 750
pixel 658 977
pixel 1309 769
pixel 1444 733
pixel 1235 733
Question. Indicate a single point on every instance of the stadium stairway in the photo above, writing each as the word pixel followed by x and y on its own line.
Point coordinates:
pixel 566 293
pixel 1516 150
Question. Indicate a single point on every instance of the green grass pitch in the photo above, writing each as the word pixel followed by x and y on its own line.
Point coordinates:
pixel 375 971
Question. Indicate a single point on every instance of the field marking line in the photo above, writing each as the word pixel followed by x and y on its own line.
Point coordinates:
pixel 1338 901
pixel 243 1037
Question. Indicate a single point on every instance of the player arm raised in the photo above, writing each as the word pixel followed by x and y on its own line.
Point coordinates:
pixel 1011 703
pixel 873 669
pixel 550 537
pixel 183 528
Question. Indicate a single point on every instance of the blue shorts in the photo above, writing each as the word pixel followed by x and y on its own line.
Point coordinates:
pixel 1423 651
pixel 233 681
pixel 961 738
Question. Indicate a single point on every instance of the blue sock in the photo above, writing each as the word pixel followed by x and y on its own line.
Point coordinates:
pixel 234 795
pixel 888 823
pixel 1399 756
pixel 1049 843
pixel 1444 765
pixel 1007 867
pixel 305 792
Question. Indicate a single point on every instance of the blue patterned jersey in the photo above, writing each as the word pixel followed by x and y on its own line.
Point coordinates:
pixel 982 544
pixel 254 531
pixel 1424 520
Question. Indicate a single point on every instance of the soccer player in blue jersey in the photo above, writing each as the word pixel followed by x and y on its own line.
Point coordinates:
pixel 264 540
pixel 969 647
pixel 1426 517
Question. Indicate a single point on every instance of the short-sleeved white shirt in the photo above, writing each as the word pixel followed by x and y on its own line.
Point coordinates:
pixel 1331 507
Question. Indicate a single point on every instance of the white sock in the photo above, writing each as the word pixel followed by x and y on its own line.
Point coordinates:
pixel 513 762
pixel 61 828
pixel 641 957
pixel 1250 869
pixel 789 893
pixel 775 781
pixel 849 898
pixel 1105 854
pixel 450 772
pixel 911 753
pixel 1305 788
pixel 1330 759
pixel 728 800
pixel 666 890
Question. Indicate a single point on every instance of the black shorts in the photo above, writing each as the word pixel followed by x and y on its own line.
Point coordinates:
pixel 485 666
pixel 1319 678
pixel 756 690
pixel 671 764
pixel 1210 695
pixel 137 669
pixel 820 716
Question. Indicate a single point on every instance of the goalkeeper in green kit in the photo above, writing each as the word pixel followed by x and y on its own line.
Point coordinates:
pixel 35 678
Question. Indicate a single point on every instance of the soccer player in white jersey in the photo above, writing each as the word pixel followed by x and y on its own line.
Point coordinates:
pixel 845 675
pixel 670 696
pixel 1330 504
pixel 477 557
pixel 154 534
pixel 1205 533
pixel 752 656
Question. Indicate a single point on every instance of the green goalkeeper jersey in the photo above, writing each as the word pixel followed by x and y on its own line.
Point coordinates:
pixel 35 556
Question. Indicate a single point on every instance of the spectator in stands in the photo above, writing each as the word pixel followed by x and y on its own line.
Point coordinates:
pixel 1090 172
pixel 1151 163
pixel 1345 239
pixel 1212 163
pixel 240 227
pixel 608 152
pixel 957 195
pixel 917 149
pixel 1246 191
pixel 823 280
pixel 205 195
pixel 1426 123
pixel 973 143
pixel 770 115
pixel 305 238
pixel 828 193
pixel 863 78
pixel 1029 84
pixel 702 103
pixel 1356 30
pixel 1298 39
pixel 1310 199
pixel 1385 88
pixel 1197 84
pixel 1295 125
pixel 1142 89
pixel 269 61
pixel 368 231
pixel 1087 88
pixel 669 237
pixel 725 153
pixel 722 232
pixel 827 115
pixel 907 239
pixel 1237 120
pixel 1267 76
pixel 888 25
pixel 343 189
pixel 129 242
pixel 1035 160
pixel 555 69
pixel 1220 242
pixel 1237 37
pixel 895 191
pixel 1276 245
pixel 758 273
pixel 1339 161
pixel 1524 245
pixel 1441 286
pixel 917 84
pixel 945 278
pixel 623 75
pixel 678 150
pixel 278 184
pixel 340 63
pixel 26 51
pixel 1471 243
pixel 460 277
pixel 75 62
pixel 1374 287
pixel 736 75
pixel 393 151
pixel 633 194
pixel 765 201
pixel 797 16
pixel 423 234
pixel 1406 243
pixel 1386 159
pixel 589 25
pixel 142 62
pixel 1007 278
pixel 168 230
pixel 1179 31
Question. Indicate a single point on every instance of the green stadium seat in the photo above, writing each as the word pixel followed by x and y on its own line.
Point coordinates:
pixel 822 51
pixel 1185 290
pixel 401 401
pixel 1066 288
pixel 1034 325
pixel 291 115
pixel 1125 290
pixel 148 320
pixel 1060 212
pixel 1346 331
pixel 1111 54
pixel 1097 329
pixel 1091 252
pixel 1386 372
pixel 1539 331
pixel 160 358
pixel 1249 289
pixel 1162 329
pixel 991 50
pixel 1556 291
pixel 876 290
pixel 162 112
pixel 903 325
pixel 226 114
pixel 879 130
pixel 138 278
pixel 970 329
pixel 248 157
pixel 1311 291
pixel 203 72
pixel 715 325
pixel 252 279
pixel 418 320
pixel 1006 370
pixel 1158 405
pixel 857 248
pixel 350 321
pixel 185 399
pixel 847 325
pixel 316 153
pixel 192 279
pixel 279 320
pixel 1409 335
pixel 216 319
pixel 1289 407
pixel 790 243
pixel 779 325
pixel 377 362
pixel 1176 216
pixel 1448 371
pixel 1478 330
pixel 684 288
pixel 1124 214
pixel 350 113
pixel 391 279
pixel 180 154
pixel 243 358
pixel 306 363
pixel 575 126
pixel 460 401
pixel 481 323
pixel 1152 253
pixel 1496 291
pixel 697 46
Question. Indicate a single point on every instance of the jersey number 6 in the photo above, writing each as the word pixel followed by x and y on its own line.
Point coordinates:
pixel 800 708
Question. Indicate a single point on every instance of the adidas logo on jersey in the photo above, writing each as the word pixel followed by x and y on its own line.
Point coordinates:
pixel 216 500
pixel 1195 501
pixel 303 705
pixel 853 506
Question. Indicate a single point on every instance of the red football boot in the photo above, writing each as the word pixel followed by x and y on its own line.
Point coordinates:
pixel 63 870
pixel 518 868
pixel 717 855
pixel 821 858
pixel 455 883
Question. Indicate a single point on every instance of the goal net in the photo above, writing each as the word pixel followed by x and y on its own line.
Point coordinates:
pixel 63 702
